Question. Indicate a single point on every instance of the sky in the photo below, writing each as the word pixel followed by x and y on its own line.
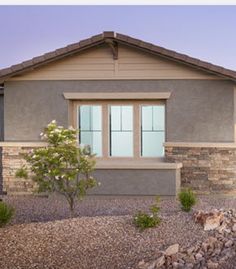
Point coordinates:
pixel 204 32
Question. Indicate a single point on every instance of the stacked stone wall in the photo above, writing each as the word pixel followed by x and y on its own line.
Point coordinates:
pixel 12 160
pixel 205 169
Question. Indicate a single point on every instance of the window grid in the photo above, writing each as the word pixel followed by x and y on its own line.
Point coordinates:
pixel 152 130
pixel 90 129
pixel 121 128
pixel 137 127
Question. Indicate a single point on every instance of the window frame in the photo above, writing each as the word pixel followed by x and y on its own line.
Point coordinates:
pixel 79 125
pixel 137 117
pixel 110 131
pixel 141 131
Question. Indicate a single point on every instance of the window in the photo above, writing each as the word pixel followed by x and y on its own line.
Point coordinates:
pixel 152 130
pixel 133 129
pixel 90 127
pixel 121 131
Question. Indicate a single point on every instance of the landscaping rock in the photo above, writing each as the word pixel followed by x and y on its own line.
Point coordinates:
pixel 229 243
pixel 212 253
pixel 209 220
pixel 234 228
pixel 160 261
pixel 198 256
pixel 212 265
pixel 171 250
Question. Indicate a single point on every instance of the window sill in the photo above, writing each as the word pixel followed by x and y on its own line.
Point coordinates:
pixel 136 164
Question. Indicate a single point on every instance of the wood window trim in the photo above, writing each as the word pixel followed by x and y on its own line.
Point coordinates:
pixel 116 95
pixel 73 121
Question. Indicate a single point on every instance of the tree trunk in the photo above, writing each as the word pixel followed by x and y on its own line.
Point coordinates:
pixel 72 207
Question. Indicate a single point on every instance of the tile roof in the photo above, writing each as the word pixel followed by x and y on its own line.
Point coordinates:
pixel 120 38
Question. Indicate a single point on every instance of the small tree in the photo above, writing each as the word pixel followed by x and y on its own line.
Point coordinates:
pixel 61 166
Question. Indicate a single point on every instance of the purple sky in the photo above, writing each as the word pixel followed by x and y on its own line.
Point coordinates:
pixel 205 32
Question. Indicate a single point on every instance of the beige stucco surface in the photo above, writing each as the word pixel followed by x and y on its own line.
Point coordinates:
pixel 197 110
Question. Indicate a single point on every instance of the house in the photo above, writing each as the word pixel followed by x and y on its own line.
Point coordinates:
pixel 156 119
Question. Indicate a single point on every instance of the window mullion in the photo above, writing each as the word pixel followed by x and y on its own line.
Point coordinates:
pixel 136 132
pixel 105 130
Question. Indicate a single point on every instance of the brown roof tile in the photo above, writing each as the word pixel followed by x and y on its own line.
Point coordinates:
pixel 124 39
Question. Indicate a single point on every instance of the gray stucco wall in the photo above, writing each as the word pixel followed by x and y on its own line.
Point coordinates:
pixel 197 111
pixel 137 182
pixel 1 117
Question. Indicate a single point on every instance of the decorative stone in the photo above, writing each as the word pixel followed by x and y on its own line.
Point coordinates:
pixel 152 265
pixel 160 261
pixel 141 264
pixel 213 253
pixel 234 227
pixel 190 250
pixel 171 250
pixel 209 220
pixel 229 243
pixel 198 256
pixel 175 265
pixel 212 265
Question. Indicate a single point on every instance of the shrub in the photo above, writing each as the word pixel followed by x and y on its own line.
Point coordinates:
pixel 187 199
pixel 143 220
pixel 6 213
pixel 61 166
pixel 22 173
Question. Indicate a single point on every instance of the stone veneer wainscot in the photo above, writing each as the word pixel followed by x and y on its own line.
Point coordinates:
pixel 11 161
pixel 207 167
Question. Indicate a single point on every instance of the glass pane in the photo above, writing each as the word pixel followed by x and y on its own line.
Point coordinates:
pixel 85 117
pixel 93 139
pixel 115 118
pixel 147 118
pixel 90 127
pixel 159 118
pixel 127 118
pixel 152 144
pixel 90 118
pixel 122 144
pixel 96 119
pixel 121 131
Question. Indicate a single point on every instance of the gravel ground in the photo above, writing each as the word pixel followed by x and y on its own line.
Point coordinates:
pixel 40 209
pixel 103 235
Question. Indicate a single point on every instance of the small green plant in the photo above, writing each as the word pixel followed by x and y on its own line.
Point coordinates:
pixel 143 220
pixel 22 173
pixel 6 213
pixel 187 199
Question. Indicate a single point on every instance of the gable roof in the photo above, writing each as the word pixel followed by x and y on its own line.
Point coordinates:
pixel 108 37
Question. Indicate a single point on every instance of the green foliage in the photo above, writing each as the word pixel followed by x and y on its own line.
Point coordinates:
pixel 143 220
pixel 187 199
pixel 22 173
pixel 6 213
pixel 61 166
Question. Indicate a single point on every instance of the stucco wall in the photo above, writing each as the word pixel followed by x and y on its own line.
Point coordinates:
pixel 137 182
pixel 1 117
pixel 197 111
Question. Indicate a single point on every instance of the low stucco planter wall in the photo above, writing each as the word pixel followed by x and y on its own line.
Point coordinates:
pixel 137 182
pixel 207 167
